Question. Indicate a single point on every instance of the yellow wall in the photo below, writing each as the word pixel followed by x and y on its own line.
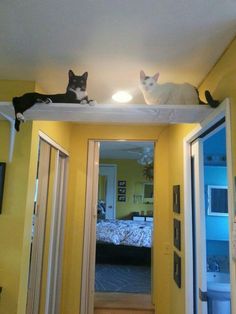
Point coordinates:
pixel 4 140
pixel 169 161
pixel 19 192
pixel 15 190
pixel 16 217
pixel 9 89
pixel 74 138
pixel 221 81
pixel 76 202
pixel 132 172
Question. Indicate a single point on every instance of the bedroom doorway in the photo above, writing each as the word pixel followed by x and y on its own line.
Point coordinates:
pixel 124 240
pixel 134 203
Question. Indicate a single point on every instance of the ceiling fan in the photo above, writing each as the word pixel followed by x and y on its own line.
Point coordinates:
pixel 145 154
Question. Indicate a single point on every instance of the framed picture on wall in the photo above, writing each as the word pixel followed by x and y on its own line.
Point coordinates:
pixel 122 191
pixel 121 183
pixel 177 233
pixel 177 269
pixel 176 198
pixel 121 198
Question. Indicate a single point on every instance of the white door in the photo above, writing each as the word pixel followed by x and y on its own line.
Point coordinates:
pixel 47 244
pixel 109 172
pixel 200 227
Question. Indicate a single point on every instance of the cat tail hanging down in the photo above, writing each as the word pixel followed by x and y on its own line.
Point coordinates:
pixel 210 100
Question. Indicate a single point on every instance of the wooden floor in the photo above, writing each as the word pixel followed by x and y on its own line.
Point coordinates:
pixel 123 303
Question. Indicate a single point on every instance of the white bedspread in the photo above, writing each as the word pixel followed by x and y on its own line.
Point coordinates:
pixel 126 232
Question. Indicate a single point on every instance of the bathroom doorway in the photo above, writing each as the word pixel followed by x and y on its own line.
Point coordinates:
pixel 210 223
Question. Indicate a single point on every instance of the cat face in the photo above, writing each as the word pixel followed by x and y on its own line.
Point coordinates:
pixel 148 83
pixel 76 82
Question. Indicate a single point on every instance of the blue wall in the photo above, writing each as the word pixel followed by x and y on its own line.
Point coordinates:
pixel 217 227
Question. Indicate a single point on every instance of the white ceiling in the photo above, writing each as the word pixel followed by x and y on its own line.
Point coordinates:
pixel 112 40
pixel 123 149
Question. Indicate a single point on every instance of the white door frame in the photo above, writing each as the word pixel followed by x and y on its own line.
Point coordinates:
pixel 200 225
pixel 35 271
pixel 222 111
pixel 89 247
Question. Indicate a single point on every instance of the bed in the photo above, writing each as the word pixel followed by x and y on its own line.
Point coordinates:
pixel 123 242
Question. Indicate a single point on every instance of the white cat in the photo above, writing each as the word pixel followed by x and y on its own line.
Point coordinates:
pixel 168 93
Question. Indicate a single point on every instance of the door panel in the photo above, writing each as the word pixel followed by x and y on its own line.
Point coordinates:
pixel 38 226
pixel 88 267
pixel 48 229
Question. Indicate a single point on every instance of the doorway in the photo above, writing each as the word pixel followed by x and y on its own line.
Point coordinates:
pixel 131 206
pixel 197 266
pixel 211 223
pixel 124 237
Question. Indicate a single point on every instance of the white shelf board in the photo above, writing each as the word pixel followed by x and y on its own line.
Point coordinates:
pixel 112 113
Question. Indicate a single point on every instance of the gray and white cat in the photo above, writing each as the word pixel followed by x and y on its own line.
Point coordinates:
pixel 167 93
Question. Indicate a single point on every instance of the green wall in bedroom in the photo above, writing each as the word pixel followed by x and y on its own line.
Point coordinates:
pixel 132 173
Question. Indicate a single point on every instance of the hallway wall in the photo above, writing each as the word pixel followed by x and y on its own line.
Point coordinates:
pixel 18 200
pixel 76 204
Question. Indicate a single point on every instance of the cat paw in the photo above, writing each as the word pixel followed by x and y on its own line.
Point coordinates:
pixel 39 100
pixel 83 102
pixel 43 101
pixel 20 117
pixel 92 103
pixel 48 101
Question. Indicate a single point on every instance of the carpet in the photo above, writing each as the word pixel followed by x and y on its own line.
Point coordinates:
pixel 122 278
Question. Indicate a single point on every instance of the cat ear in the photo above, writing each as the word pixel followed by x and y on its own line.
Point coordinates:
pixel 156 76
pixel 85 75
pixel 142 75
pixel 71 73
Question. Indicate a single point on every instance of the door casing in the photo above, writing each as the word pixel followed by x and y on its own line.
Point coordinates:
pixel 200 229
pixel 222 111
pixel 89 245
